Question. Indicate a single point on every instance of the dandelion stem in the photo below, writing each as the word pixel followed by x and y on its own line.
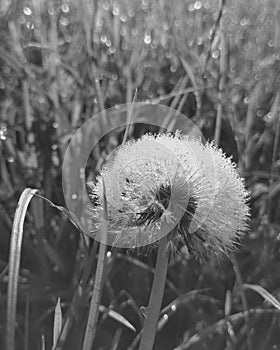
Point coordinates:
pixel 150 326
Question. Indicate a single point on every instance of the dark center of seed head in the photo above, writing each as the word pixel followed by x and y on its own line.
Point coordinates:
pixel 155 210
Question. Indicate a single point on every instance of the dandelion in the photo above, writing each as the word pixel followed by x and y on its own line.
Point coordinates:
pixel 168 190
pixel 176 186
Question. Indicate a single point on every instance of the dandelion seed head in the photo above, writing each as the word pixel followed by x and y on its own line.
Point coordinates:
pixel 171 184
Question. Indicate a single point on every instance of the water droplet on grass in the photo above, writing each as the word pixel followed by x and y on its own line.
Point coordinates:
pixel 65 8
pixel 27 11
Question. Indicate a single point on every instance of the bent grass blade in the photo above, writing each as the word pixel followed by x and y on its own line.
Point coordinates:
pixel 14 263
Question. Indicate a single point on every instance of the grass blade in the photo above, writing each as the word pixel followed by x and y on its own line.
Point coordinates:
pixel 275 116
pixel 14 262
pixel 129 117
pixel 213 33
pixel 117 317
pixel 219 327
pixel 222 83
pixel 4 271
pixel 57 324
pixel 116 339
pixel 98 283
pixel 69 215
pixel 43 342
pixel 264 293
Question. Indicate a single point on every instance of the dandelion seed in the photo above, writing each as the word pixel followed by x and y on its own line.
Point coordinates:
pixel 171 184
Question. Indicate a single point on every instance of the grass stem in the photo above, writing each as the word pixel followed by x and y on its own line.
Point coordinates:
pixel 98 284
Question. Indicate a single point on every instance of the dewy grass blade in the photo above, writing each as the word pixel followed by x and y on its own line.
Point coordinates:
pixel 14 262
pixel 117 317
pixel 219 326
pixel 43 342
pixel 130 118
pixel 222 82
pixel 70 216
pixel 275 110
pixel 98 283
pixel 264 293
pixel 57 324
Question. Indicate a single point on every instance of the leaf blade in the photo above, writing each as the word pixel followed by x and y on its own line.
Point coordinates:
pixel 14 263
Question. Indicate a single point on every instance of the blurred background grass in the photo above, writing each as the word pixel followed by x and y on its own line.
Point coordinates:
pixel 63 61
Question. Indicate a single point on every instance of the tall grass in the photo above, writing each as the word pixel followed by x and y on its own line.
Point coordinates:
pixel 63 61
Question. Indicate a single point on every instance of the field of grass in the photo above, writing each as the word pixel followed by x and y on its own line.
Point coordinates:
pixel 63 61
